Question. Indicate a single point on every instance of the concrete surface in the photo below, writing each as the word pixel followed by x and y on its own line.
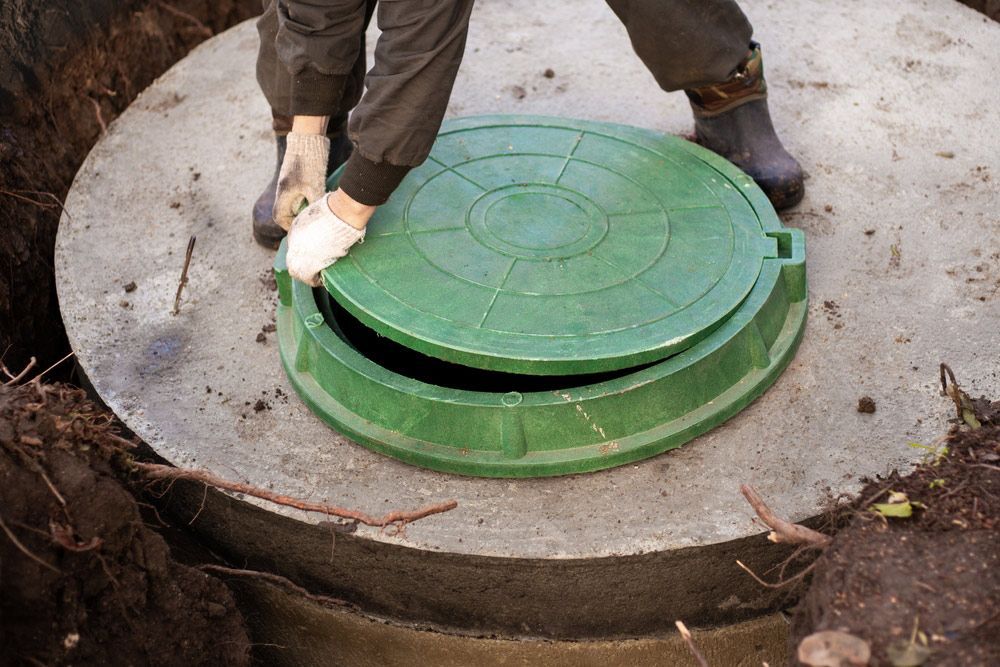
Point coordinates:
pixel 296 632
pixel 892 110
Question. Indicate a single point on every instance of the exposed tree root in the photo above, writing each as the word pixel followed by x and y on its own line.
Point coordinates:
pixel 780 584
pixel 782 531
pixel 275 579
pixel 398 518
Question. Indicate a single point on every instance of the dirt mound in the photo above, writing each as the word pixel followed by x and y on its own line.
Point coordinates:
pixel 84 581
pixel 916 573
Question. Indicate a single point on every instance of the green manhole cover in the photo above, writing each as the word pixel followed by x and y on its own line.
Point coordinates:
pixel 555 247
pixel 549 296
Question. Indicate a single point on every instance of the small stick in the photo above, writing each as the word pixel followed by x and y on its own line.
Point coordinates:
pixel 14 379
pixel 686 634
pixel 204 497
pixel 205 30
pixel 184 275
pixel 782 531
pixel 20 194
pixel 23 549
pixel 100 116
pixel 16 194
pixel 946 374
pixel 127 444
pixel 158 471
pixel 39 376
pixel 277 579
pixel 780 584
pixel 52 487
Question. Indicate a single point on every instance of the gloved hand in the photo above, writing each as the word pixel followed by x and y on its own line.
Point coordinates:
pixel 317 239
pixel 302 178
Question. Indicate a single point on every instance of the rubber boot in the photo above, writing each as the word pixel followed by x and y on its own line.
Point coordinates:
pixel 266 231
pixel 732 119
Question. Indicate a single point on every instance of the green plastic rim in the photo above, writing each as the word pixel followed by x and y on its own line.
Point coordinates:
pixel 547 246
pixel 575 429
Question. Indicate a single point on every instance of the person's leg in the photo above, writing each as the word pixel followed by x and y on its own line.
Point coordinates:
pixel 274 80
pixel 704 48
pixel 393 127
pixel 397 121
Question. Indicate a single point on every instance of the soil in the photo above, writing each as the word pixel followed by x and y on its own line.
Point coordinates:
pixel 67 69
pixel 86 581
pixel 989 7
pixel 866 405
pixel 935 573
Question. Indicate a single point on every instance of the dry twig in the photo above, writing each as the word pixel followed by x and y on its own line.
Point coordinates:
pixel 14 379
pixel 21 194
pixel 99 115
pixel 277 579
pixel 965 408
pixel 52 488
pixel 686 635
pixel 184 275
pixel 780 584
pixel 399 518
pixel 38 377
pixel 782 531
pixel 204 29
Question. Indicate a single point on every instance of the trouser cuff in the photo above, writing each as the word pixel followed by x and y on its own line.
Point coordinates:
pixel 370 183
pixel 313 94
pixel 282 125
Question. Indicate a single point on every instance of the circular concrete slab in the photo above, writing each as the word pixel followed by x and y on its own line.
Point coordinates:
pixel 889 115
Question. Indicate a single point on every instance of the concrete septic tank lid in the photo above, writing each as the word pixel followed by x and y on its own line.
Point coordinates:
pixel 543 245
pixel 550 246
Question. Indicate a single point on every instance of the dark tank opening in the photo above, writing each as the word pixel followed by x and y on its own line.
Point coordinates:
pixel 417 366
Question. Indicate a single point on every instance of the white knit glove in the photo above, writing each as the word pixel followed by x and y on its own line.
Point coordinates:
pixel 302 179
pixel 317 239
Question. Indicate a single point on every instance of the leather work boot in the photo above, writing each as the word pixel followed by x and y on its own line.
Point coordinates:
pixel 732 120
pixel 266 231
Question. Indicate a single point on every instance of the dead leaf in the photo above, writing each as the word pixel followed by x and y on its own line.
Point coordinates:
pixel 964 405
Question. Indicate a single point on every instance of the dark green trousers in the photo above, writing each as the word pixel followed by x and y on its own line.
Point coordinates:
pixel 312 62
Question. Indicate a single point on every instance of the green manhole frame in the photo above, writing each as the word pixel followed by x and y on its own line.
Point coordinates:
pixel 408 326
pixel 579 429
